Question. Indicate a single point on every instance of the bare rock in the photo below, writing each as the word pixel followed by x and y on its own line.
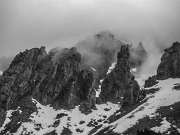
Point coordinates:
pixel 131 94
pixel 150 81
pixel 114 85
pixel 170 63
pixel 55 78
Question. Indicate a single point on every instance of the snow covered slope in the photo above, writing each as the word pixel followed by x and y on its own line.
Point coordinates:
pixel 47 120
pixel 157 111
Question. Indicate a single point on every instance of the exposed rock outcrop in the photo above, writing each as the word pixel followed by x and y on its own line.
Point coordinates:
pixel 170 63
pixel 131 94
pixel 88 93
pixel 150 81
pixel 99 52
pixel 55 78
pixel 63 79
pixel 114 85
pixel 14 82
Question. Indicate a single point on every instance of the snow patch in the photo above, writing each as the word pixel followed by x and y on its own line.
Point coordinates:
pixel 111 68
pixel 178 130
pixel 98 91
pixel 93 69
pixel 134 69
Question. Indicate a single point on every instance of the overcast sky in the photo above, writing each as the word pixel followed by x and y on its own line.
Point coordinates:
pixel 34 23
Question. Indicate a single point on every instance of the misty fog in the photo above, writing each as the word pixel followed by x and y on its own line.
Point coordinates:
pixel 66 23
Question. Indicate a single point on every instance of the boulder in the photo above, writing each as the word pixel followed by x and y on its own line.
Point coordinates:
pixel 151 81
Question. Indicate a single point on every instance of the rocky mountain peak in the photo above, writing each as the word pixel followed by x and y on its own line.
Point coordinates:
pixel 141 48
pixel 115 85
pixel 169 66
pixel 67 79
pixel 124 52
pixel 170 62
pixel 174 48
pixel 106 35
pixel 49 78
pixel 65 54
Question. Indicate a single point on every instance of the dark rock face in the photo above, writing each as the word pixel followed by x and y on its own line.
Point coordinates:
pixel 2 116
pixel 87 93
pixel 66 131
pixel 170 63
pixel 114 85
pixel 55 78
pixel 85 82
pixel 61 79
pixel 59 87
pixel 15 81
pixel 120 85
pixel 147 132
pixel 131 94
pixel 150 81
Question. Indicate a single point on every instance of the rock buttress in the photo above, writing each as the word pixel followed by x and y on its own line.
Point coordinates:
pixel 55 78
pixel 114 85
pixel 170 63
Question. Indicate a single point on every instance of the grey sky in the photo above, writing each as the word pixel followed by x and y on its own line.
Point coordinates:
pixel 33 23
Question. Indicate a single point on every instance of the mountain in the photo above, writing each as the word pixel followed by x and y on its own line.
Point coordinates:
pixel 159 111
pixel 170 62
pixel 84 90
pixel 138 56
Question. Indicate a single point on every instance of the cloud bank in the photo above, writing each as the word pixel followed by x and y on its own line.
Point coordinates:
pixel 51 23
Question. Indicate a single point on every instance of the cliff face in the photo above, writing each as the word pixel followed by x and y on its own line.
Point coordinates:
pixel 49 78
pixel 15 82
pixel 131 94
pixel 114 85
pixel 170 63
pixel 99 52
pixel 60 79
pixel 55 78
pixel 120 85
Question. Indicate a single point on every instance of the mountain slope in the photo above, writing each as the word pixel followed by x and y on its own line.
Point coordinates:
pixel 46 119
pixel 56 93
pixel 156 113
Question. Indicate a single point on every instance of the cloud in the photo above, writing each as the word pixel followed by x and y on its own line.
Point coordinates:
pixel 99 49
pixel 51 23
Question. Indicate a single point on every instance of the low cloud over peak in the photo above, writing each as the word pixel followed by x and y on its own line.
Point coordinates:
pixel 35 23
